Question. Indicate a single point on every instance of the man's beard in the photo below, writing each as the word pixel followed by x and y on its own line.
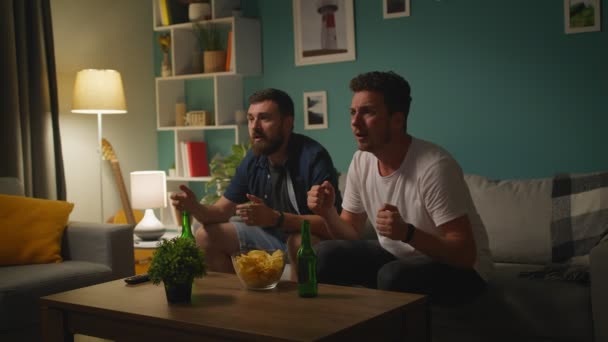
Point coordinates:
pixel 266 147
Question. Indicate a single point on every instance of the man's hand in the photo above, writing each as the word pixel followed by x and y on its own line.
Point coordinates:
pixel 390 223
pixel 185 200
pixel 256 213
pixel 321 199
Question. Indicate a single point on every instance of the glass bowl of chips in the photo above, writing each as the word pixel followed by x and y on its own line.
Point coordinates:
pixel 259 269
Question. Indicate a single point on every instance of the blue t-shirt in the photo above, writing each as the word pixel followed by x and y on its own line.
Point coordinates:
pixel 308 164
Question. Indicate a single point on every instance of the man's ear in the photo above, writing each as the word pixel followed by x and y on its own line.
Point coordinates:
pixel 398 119
pixel 288 121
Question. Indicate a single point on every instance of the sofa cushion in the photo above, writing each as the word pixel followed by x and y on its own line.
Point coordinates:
pixel 518 309
pixel 580 214
pixel 32 229
pixel 21 286
pixel 517 217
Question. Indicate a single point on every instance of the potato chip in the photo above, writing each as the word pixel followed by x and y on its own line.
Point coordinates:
pixel 259 269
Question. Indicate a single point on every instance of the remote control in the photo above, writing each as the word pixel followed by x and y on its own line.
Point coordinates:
pixel 136 279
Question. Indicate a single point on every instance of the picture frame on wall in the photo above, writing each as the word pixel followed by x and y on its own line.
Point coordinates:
pixel 315 110
pixel 324 31
pixel 582 15
pixel 395 8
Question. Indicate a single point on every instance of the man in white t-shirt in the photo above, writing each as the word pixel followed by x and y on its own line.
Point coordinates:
pixel 430 238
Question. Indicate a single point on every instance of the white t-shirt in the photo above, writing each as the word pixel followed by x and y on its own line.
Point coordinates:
pixel 428 189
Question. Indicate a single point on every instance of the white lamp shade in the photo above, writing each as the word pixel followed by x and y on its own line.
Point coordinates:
pixel 148 189
pixel 98 92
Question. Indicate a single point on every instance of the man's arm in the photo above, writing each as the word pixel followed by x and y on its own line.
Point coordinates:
pixel 455 245
pixel 220 211
pixel 347 225
pixel 257 213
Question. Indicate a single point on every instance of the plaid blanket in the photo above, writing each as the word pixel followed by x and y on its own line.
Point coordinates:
pixel 579 222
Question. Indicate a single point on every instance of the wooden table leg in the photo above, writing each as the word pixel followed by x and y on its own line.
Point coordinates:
pixel 53 327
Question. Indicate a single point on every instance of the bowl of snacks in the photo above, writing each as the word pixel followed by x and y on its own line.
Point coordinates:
pixel 259 269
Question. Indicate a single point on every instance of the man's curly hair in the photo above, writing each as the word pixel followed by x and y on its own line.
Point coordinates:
pixel 396 89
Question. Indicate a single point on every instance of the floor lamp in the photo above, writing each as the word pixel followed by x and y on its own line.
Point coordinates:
pixel 99 92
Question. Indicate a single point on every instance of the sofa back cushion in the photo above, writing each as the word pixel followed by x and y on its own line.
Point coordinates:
pixel 32 229
pixel 517 217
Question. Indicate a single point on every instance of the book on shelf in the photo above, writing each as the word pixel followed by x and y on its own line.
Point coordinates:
pixel 196 158
pixel 184 154
pixel 172 12
pixel 229 62
pixel 165 16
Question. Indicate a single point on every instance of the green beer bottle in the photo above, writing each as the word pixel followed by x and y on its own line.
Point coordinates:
pixel 307 265
pixel 186 228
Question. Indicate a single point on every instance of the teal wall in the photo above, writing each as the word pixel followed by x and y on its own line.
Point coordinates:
pixel 497 83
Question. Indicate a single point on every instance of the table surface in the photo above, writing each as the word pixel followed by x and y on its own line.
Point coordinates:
pixel 152 244
pixel 221 307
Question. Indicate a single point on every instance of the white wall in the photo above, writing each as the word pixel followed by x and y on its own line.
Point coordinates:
pixel 105 34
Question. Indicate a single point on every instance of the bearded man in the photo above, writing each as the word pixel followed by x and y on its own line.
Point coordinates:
pixel 268 191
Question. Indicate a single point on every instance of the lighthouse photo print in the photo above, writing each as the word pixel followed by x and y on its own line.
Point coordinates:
pixel 324 31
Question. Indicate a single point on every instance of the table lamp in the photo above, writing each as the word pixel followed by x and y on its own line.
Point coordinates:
pixel 99 92
pixel 149 191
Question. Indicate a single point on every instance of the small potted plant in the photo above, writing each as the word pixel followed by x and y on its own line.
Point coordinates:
pixel 176 263
pixel 210 42
pixel 222 169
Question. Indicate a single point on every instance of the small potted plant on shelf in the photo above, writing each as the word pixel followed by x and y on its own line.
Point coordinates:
pixel 210 42
pixel 176 263
pixel 222 169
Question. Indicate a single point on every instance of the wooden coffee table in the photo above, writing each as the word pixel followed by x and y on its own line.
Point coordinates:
pixel 222 310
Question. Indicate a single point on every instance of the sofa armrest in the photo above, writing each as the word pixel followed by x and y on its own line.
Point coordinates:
pixel 599 290
pixel 108 244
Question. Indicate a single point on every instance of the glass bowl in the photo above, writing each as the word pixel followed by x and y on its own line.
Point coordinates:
pixel 259 269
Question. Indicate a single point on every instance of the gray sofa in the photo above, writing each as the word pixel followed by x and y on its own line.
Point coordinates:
pixel 517 215
pixel 93 253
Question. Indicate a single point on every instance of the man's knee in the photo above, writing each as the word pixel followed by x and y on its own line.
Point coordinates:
pixel 212 236
pixel 389 277
pixel 404 277
pixel 202 238
pixel 329 258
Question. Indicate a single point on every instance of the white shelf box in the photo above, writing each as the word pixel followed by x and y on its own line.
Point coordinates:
pixel 219 9
pixel 246 46
pixel 222 101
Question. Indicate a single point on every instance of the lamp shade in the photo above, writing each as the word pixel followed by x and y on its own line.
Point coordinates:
pixel 148 189
pixel 98 92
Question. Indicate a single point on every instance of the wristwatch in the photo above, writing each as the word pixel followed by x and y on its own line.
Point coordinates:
pixel 410 233
pixel 279 222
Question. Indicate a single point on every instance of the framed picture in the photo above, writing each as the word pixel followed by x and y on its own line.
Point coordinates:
pixel 315 110
pixel 395 8
pixel 581 15
pixel 324 31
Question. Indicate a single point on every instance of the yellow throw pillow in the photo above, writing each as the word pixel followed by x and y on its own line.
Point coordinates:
pixel 31 229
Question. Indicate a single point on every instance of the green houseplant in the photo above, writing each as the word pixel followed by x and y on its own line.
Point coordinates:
pixel 176 263
pixel 222 169
pixel 210 42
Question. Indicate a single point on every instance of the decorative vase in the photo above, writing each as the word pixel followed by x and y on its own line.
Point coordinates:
pixel 165 67
pixel 214 61
pixel 199 11
pixel 179 293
